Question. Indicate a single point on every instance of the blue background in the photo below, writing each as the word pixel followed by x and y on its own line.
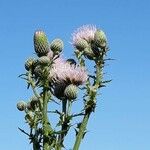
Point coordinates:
pixel 122 117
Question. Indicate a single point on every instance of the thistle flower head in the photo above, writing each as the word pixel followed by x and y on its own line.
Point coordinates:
pixel 70 74
pixel 85 32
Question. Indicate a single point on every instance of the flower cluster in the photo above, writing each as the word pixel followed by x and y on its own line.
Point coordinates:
pixel 90 41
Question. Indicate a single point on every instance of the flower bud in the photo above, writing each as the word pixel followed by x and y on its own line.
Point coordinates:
pixel 21 106
pixel 100 38
pixel 71 92
pixel 81 44
pixel 56 46
pixel 41 44
pixel 31 105
pixel 38 71
pixel 89 53
pixel 44 60
pixel 29 64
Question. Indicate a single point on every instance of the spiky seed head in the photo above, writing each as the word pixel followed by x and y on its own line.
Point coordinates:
pixel 56 46
pixel 100 38
pixel 44 60
pixel 41 44
pixel 29 64
pixel 71 92
pixel 21 106
pixel 81 44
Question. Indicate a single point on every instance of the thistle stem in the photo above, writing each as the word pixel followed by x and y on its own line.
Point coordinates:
pixel 61 136
pixel 92 97
pixel 45 120
pixel 81 131
pixel 69 107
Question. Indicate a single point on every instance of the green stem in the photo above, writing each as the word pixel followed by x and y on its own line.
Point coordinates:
pixel 45 121
pixel 31 82
pixel 36 143
pixel 61 136
pixel 69 107
pixel 92 97
pixel 81 131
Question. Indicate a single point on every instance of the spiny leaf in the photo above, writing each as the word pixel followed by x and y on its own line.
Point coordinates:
pixel 23 131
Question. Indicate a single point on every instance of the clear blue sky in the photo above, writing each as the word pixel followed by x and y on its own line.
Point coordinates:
pixel 122 117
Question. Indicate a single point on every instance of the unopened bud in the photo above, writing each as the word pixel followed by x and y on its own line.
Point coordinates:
pixel 38 71
pixel 32 104
pixel 41 44
pixel 21 106
pixel 56 46
pixel 71 92
pixel 29 64
pixel 89 53
pixel 100 38
pixel 81 44
pixel 44 60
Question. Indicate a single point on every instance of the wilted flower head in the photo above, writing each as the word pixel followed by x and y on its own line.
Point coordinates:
pixel 70 74
pixel 85 32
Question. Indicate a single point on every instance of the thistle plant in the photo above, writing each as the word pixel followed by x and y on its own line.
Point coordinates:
pixel 53 79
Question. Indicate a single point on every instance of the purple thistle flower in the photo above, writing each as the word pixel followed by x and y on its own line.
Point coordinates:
pixel 85 32
pixel 69 74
